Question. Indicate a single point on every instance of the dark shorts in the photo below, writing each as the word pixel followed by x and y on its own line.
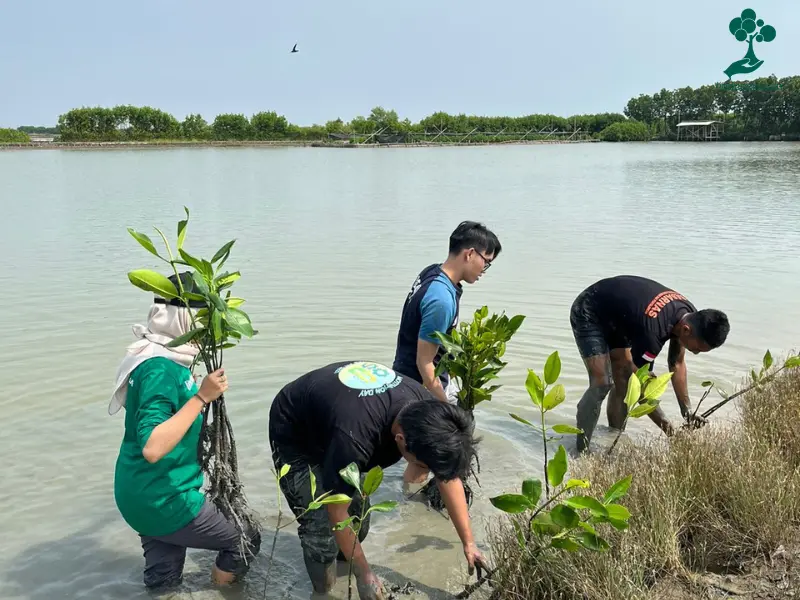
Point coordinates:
pixel 314 529
pixel 592 336
pixel 164 556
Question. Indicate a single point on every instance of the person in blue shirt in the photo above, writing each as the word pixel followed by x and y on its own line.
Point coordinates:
pixel 432 305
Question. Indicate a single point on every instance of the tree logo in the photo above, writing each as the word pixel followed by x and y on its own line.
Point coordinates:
pixel 748 28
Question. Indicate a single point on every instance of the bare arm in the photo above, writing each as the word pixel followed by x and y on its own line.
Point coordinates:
pixel 426 351
pixel 166 436
pixel 456 504
pixel 345 539
pixel 680 380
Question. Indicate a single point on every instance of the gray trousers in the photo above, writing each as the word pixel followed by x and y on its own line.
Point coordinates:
pixel 164 556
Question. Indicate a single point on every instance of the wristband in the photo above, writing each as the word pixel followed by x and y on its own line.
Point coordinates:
pixel 203 400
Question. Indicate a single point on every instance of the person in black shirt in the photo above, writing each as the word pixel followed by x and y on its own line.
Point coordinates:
pixel 622 323
pixel 364 413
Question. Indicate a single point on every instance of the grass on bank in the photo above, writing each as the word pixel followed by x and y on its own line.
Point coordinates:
pixel 714 500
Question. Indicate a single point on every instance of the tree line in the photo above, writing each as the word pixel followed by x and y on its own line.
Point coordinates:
pixel 753 110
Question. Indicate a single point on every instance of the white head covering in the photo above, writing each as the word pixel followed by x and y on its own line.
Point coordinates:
pixel 164 323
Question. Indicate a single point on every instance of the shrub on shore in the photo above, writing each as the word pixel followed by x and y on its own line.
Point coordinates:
pixel 12 136
pixel 714 499
pixel 626 131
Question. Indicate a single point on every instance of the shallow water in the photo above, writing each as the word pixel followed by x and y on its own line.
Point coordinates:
pixel 329 242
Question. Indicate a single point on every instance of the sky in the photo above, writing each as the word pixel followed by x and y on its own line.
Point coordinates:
pixel 499 57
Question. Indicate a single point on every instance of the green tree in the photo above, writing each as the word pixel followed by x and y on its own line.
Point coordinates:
pixel 231 127
pixel 629 131
pixel 195 127
pixel 12 136
pixel 269 126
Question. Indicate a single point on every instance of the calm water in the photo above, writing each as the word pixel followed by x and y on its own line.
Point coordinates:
pixel 328 243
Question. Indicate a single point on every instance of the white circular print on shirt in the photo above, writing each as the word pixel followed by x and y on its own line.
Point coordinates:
pixel 364 375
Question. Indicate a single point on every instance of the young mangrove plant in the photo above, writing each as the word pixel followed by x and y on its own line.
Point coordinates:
pixel 372 482
pixel 642 397
pixel 473 357
pixel 759 378
pixel 559 518
pixel 316 503
pixel 218 325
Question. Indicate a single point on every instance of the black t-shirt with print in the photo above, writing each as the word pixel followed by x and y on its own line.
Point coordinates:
pixel 342 413
pixel 640 311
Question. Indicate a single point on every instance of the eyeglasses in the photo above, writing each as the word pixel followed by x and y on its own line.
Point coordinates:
pixel 486 262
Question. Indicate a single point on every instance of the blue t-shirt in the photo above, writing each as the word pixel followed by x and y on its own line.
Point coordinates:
pixel 431 305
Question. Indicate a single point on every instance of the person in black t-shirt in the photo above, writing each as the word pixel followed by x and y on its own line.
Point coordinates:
pixel 622 323
pixel 364 413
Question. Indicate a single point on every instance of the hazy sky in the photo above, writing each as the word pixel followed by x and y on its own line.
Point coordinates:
pixel 498 57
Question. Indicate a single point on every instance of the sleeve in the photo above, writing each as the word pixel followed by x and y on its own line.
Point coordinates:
pixel 645 349
pixel 438 311
pixel 159 397
pixel 342 451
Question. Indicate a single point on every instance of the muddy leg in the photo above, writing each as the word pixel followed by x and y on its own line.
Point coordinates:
pixel 599 370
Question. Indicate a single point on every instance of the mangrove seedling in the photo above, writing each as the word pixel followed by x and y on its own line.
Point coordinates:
pixel 757 378
pixel 218 325
pixel 560 518
pixel 316 503
pixel 473 357
pixel 372 482
pixel 642 397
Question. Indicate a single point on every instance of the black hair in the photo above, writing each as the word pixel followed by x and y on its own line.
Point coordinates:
pixel 440 435
pixel 471 234
pixel 709 326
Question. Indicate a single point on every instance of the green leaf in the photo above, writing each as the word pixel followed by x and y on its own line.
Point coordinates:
pixel 193 262
pixel 449 344
pixel 634 391
pixel 313 479
pixel 767 360
pixel 565 544
pixel 222 251
pixel 618 490
pixel 387 506
pixel 617 524
pixel 564 516
pixel 567 429
pixel 657 386
pixel 182 229
pixel 643 373
pixel 543 524
pixel 227 280
pixel 284 471
pixel 707 383
pixel 557 467
pixel 642 410
pixel 514 324
pixel 145 241
pixel 314 505
pixel 792 362
pixel 618 512
pixel 185 338
pixel 591 541
pixel 239 321
pixel 341 525
pixel 535 388
pixel 532 490
pixel 511 503
pixel 373 480
pixel 554 397
pixel 351 475
pixel 335 499
pixel 216 325
pixel 218 303
pixel 151 281
pixel 586 527
pixel 234 302
pixel 552 368
pixel 200 282
pixel 523 421
pixel 587 502
pixel 577 483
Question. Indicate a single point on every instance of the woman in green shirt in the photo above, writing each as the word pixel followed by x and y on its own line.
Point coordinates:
pixel 158 478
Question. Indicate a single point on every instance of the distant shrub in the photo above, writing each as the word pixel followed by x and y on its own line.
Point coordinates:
pixel 625 131
pixel 12 136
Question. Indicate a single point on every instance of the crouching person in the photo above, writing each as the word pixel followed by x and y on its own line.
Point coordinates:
pixel 364 413
pixel 158 477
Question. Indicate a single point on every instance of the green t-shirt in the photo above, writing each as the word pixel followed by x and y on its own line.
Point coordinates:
pixel 163 497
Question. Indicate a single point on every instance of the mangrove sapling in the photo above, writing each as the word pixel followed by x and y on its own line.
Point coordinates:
pixel 642 397
pixel 473 357
pixel 560 519
pixel 219 325
pixel 372 482
pixel 767 373
pixel 316 503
